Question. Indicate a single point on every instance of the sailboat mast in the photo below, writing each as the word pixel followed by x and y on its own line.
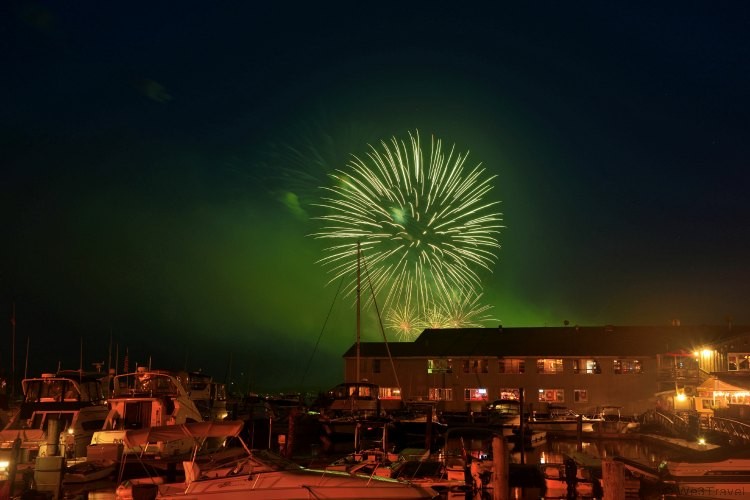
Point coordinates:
pixel 358 307
pixel 13 353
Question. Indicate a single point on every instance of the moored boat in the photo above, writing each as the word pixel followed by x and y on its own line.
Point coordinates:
pixel 58 415
pixel 140 401
pixel 721 477
pixel 260 475
pixel 89 470
pixel 559 419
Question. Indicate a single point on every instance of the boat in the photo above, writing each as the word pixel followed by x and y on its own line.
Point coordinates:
pixel 257 474
pixel 719 477
pixel 209 396
pixel 560 420
pixel 87 471
pixel 348 403
pixel 58 416
pixel 140 401
pixel 609 419
pixel 374 454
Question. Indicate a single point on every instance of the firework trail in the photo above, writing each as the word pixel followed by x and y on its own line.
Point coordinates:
pixel 423 224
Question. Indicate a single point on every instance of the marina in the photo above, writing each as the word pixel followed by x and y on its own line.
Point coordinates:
pixel 459 462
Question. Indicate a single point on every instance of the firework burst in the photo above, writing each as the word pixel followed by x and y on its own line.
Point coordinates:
pixel 422 222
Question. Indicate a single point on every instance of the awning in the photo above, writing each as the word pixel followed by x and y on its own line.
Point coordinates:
pixel 194 430
pixel 714 384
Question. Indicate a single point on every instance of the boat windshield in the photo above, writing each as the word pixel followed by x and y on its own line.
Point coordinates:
pixel 155 384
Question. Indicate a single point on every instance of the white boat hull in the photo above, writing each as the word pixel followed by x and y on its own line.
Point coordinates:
pixel 287 486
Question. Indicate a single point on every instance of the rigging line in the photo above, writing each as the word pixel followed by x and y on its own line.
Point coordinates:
pixel 380 322
pixel 328 316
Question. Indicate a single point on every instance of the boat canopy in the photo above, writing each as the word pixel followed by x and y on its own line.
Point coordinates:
pixel 194 430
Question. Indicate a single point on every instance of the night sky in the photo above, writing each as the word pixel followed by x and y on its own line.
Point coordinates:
pixel 162 161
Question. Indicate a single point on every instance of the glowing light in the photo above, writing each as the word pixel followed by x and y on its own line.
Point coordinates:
pixel 424 226
pixel 681 396
pixel 702 441
pixel 706 353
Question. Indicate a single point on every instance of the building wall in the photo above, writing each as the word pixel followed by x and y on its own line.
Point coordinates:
pixel 634 392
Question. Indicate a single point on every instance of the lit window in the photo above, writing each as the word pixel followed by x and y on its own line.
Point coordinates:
pixel 549 365
pixel 739 361
pixel 510 393
pixel 590 366
pixel 625 366
pixel 441 394
pixel 389 393
pixel 552 395
pixel 511 366
pixel 475 394
pixel 580 395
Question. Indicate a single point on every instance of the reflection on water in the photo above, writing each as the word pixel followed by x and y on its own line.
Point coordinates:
pixel 555 450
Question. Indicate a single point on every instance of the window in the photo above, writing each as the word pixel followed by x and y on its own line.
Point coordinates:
pixel 624 366
pixel 586 366
pixel 739 361
pixel 389 393
pixel 511 366
pixel 552 395
pixel 441 394
pixel 375 366
pixel 510 393
pixel 439 366
pixel 549 365
pixel 580 395
pixel 475 394
pixel 475 366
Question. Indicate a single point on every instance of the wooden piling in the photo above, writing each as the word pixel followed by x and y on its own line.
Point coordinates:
pixel 613 479
pixel 500 469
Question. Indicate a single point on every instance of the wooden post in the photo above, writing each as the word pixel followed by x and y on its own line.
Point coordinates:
pixel 290 433
pixel 15 456
pixel 500 469
pixel 613 479
pixel 522 430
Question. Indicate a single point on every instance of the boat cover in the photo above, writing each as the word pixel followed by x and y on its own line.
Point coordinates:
pixel 193 430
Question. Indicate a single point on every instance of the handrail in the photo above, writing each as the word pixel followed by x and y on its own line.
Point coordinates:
pixel 739 432
pixel 675 424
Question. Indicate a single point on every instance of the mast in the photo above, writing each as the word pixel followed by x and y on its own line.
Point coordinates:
pixel 13 354
pixel 358 299
pixel 26 366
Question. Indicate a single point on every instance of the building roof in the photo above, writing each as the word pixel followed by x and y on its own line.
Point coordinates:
pixel 553 341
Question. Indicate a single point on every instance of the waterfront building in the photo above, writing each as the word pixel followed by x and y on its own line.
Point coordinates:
pixel 579 367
